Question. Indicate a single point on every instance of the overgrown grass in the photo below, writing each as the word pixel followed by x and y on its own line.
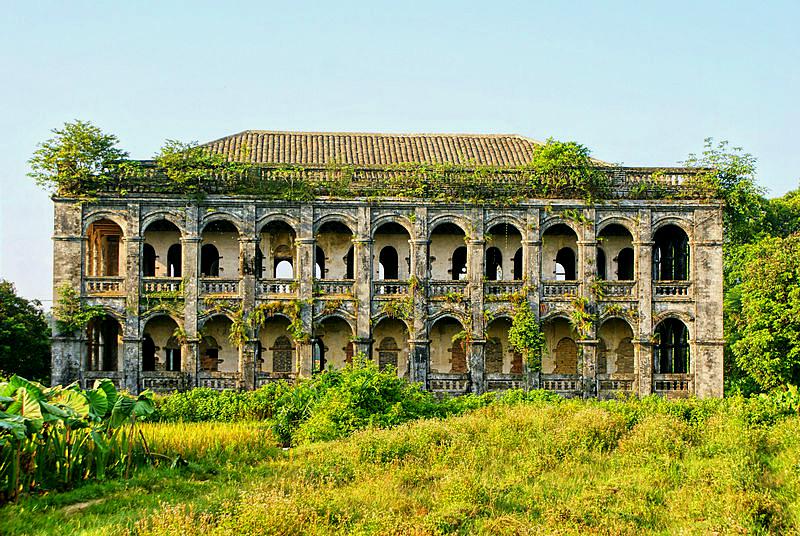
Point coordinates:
pixel 574 467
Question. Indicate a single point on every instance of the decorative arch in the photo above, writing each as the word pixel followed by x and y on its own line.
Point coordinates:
pixel 337 217
pixel 624 221
pixel 672 347
pixel 556 220
pixel 148 316
pixel 203 319
pixel 171 217
pixel 512 221
pixel 288 219
pixel 604 319
pixel 115 217
pixel 380 317
pixel 403 221
pixel 340 314
pixel 685 224
pixel 221 216
pixel 459 221
pixel 685 317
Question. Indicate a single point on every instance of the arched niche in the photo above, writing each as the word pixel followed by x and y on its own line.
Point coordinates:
pixel 334 346
pixel 223 259
pixel 162 252
pixel 448 349
pixel 217 352
pixel 334 251
pixel 559 253
pixel 390 338
pixel 448 253
pixel 104 344
pixel 561 355
pixel 392 250
pixel 104 249
pixel 276 251
pixel 616 242
pixel 503 253
pixel 162 352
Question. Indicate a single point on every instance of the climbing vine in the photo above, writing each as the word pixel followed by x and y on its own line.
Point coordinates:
pixel 71 313
pixel 526 337
pixel 399 307
pixel 580 318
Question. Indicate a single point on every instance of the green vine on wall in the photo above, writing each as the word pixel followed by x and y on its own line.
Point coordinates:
pixel 71 312
pixel 526 337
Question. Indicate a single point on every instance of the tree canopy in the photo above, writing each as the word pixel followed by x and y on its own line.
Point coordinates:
pixel 24 336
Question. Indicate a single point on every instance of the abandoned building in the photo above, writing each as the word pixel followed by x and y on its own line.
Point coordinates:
pixel 427 286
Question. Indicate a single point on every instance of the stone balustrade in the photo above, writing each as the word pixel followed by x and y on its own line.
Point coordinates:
pixel 219 286
pixel 448 289
pixel 161 285
pixel 88 377
pixel 618 290
pixel 504 382
pixel 559 290
pixel 672 289
pixel 388 289
pixel 219 380
pixel 501 289
pixel 335 287
pixel 673 385
pixel 451 384
pixel 104 286
pixel 276 287
pixel 563 384
pixel 615 383
pixel 263 378
pixel 164 381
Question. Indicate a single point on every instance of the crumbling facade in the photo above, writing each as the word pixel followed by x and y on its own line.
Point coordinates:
pixel 424 286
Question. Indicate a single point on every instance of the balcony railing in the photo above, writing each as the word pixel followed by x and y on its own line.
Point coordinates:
pixel 104 286
pixel 272 287
pixel 502 288
pixel 559 290
pixel 216 285
pixel 89 377
pixel 161 285
pixel 504 382
pixel 454 384
pixel 618 290
pixel 613 383
pixel 563 384
pixel 263 378
pixel 672 289
pixel 219 380
pixel 336 287
pixel 164 381
pixel 673 385
pixel 389 288
pixel 449 289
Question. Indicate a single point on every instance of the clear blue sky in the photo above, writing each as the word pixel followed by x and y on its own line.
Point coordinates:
pixel 637 82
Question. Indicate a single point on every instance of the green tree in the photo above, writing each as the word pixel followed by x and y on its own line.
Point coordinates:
pixel 24 336
pixel 79 154
pixel 763 310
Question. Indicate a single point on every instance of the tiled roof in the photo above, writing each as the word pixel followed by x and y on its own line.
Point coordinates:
pixel 363 149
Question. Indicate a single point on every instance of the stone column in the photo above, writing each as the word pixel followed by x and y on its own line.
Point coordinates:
pixel 418 341
pixel 532 258
pixel 643 352
pixel 475 257
pixel 132 338
pixel 190 241
pixel 66 359
pixel 247 290
pixel 305 288
pixel 706 357
pixel 587 275
pixel 362 272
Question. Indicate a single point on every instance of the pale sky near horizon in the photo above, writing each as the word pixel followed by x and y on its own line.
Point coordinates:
pixel 640 83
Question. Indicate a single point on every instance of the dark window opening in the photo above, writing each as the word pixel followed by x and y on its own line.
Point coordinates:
pixel 389 266
pixel 318 356
pixel 671 351
pixel 625 265
pixel 148 354
pixel 494 264
pixel 148 261
pixel 348 264
pixel 601 264
pixel 209 261
pixel 565 264
pixel 518 265
pixel 319 260
pixel 671 254
pixel 458 268
pixel 174 261
pixel 173 355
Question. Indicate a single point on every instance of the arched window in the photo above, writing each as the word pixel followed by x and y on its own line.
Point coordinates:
pixel 388 353
pixel 284 270
pixel 348 264
pixel 459 263
pixel 259 262
pixel 173 355
pixel 148 261
pixel 318 356
pixel 319 263
pixel 388 267
pixel 601 264
pixel 494 264
pixel 209 261
pixel 671 350
pixel 671 254
pixel 565 259
pixel 148 353
pixel 174 260
pixel 625 265
pixel 518 265
pixel 282 354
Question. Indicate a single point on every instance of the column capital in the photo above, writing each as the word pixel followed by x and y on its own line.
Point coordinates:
pixel 476 242
pixel 189 239
pixel 419 241
pixel 305 240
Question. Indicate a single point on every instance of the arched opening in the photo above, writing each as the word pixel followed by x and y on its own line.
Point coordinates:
pixel 447 254
pixel 148 261
pixel 395 263
pixel 616 239
pixel 391 340
pixel 276 250
pixel 448 349
pixel 561 355
pixel 335 334
pixel 334 240
pixel 276 350
pixel 317 356
pixel 601 264
pixel 504 241
pixel 458 269
pixel 319 263
pixel 217 353
pixel 161 252
pixel 494 264
pixel 671 349
pixel 104 344
pixel 559 261
pixel 388 265
pixel 565 265
pixel 518 265
pixel 209 261
pixel 103 259
pixel 219 255
pixel 165 354
pixel 625 265
pixel 175 261
pixel 500 357
pixel 148 353
pixel 615 350
pixel 670 254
